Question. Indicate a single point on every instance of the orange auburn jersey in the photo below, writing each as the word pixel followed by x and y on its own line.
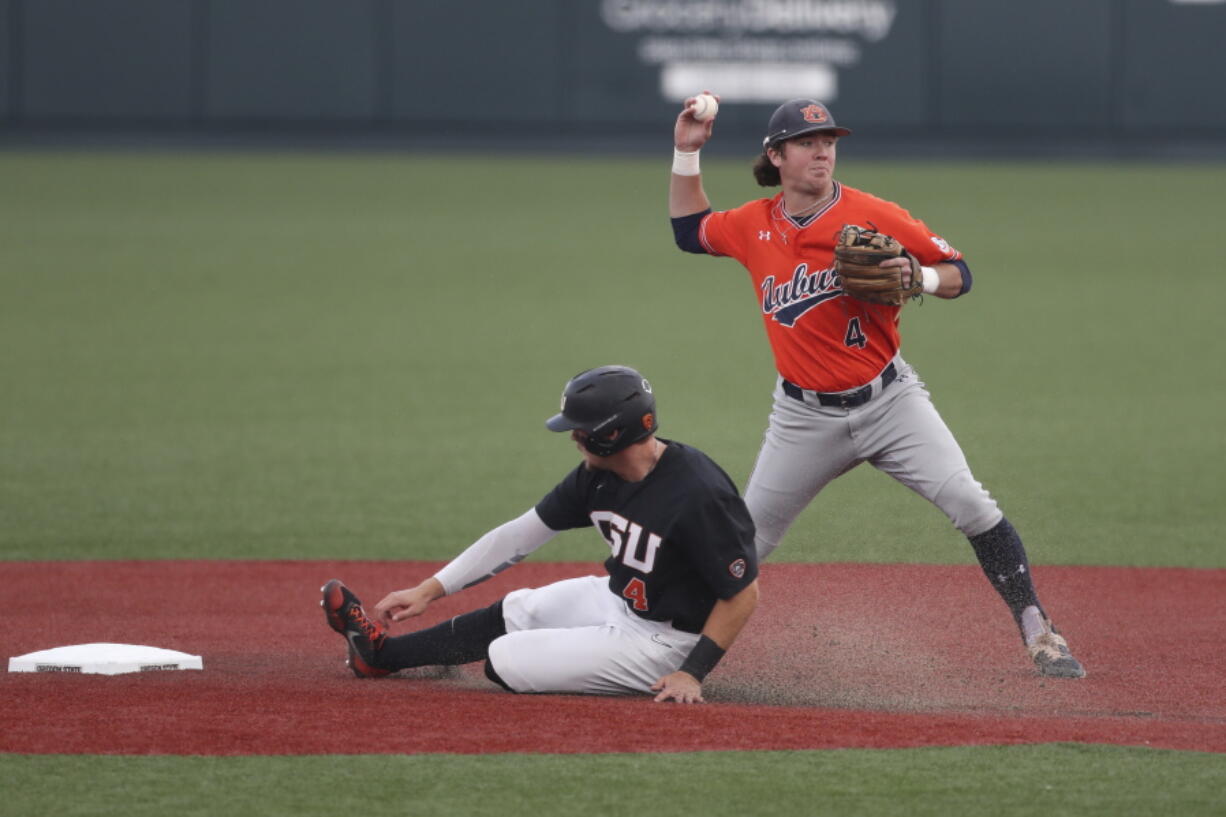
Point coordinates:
pixel 822 339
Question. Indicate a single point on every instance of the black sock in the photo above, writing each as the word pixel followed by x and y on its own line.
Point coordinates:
pixel 1003 559
pixel 495 677
pixel 461 640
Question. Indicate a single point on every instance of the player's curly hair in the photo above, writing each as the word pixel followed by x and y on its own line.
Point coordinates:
pixel 765 173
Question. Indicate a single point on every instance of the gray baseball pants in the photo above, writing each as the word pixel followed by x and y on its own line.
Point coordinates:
pixel 898 431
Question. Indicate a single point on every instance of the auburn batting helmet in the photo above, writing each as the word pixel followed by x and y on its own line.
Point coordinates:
pixel 612 404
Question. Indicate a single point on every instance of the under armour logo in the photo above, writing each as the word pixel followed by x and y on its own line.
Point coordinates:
pixel 1001 578
pixel 764 235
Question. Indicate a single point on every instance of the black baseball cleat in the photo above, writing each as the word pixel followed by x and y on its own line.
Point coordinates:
pixel 364 636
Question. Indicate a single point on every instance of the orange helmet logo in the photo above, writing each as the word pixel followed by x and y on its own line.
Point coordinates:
pixel 815 114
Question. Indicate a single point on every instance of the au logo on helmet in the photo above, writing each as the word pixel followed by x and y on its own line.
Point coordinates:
pixel 815 114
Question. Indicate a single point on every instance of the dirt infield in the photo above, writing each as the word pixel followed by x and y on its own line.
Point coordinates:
pixel 836 656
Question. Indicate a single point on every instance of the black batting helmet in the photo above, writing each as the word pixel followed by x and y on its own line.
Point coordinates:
pixel 799 116
pixel 613 404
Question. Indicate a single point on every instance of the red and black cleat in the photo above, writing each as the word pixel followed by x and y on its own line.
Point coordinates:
pixel 364 636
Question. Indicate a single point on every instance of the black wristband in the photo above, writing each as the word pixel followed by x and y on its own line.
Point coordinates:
pixel 703 658
pixel 967 280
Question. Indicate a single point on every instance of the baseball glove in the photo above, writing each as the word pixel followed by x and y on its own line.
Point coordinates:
pixel 858 256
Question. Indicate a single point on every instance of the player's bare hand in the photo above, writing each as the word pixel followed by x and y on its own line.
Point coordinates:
pixel 407 603
pixel 900 264
pixel 680 687
pixel 689 134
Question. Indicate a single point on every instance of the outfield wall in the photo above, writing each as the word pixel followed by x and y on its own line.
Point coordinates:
pixel 1092 72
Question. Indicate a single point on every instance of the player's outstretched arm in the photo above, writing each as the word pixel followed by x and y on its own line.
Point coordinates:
pixel 685 193
pixel 411 602
pixel 500 548
pixel 724 624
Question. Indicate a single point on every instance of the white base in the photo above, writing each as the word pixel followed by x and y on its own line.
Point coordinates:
pixel 104 659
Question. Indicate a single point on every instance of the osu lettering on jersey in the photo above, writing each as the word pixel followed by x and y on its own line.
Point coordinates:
pixel 680 538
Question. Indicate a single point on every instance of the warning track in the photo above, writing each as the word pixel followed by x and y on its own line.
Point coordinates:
pixel 836 656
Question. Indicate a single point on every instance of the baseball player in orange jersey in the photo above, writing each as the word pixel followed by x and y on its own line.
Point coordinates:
pixel 844 393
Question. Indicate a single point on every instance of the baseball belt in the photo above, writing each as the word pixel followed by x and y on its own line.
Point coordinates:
pixel 842 399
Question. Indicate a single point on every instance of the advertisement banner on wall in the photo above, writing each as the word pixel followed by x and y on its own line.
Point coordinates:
pixel 640 58
pixel 750 50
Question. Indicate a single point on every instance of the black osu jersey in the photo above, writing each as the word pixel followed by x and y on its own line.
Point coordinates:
pixel 680 538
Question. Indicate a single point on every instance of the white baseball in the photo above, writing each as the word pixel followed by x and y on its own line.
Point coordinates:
pixel 705 107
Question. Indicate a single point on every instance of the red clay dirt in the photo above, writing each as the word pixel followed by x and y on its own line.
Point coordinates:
pixel 837 655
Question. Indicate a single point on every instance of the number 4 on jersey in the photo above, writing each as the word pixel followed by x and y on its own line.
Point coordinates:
pixel 636 591
pixel 855 335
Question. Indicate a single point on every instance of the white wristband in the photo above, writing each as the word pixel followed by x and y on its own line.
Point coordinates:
pixel 685 164
pixel 932 279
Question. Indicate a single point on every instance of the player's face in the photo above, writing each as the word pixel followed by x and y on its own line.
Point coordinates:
pixel 808 159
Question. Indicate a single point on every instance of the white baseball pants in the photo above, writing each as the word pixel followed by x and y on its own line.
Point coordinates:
pixel 576 636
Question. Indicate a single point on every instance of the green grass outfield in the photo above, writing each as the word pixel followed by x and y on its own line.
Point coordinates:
pixel 321 356
pixel 1056 779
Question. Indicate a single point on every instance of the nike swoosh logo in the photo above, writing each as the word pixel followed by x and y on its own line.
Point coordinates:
pixel 351 635
pixel 656 637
